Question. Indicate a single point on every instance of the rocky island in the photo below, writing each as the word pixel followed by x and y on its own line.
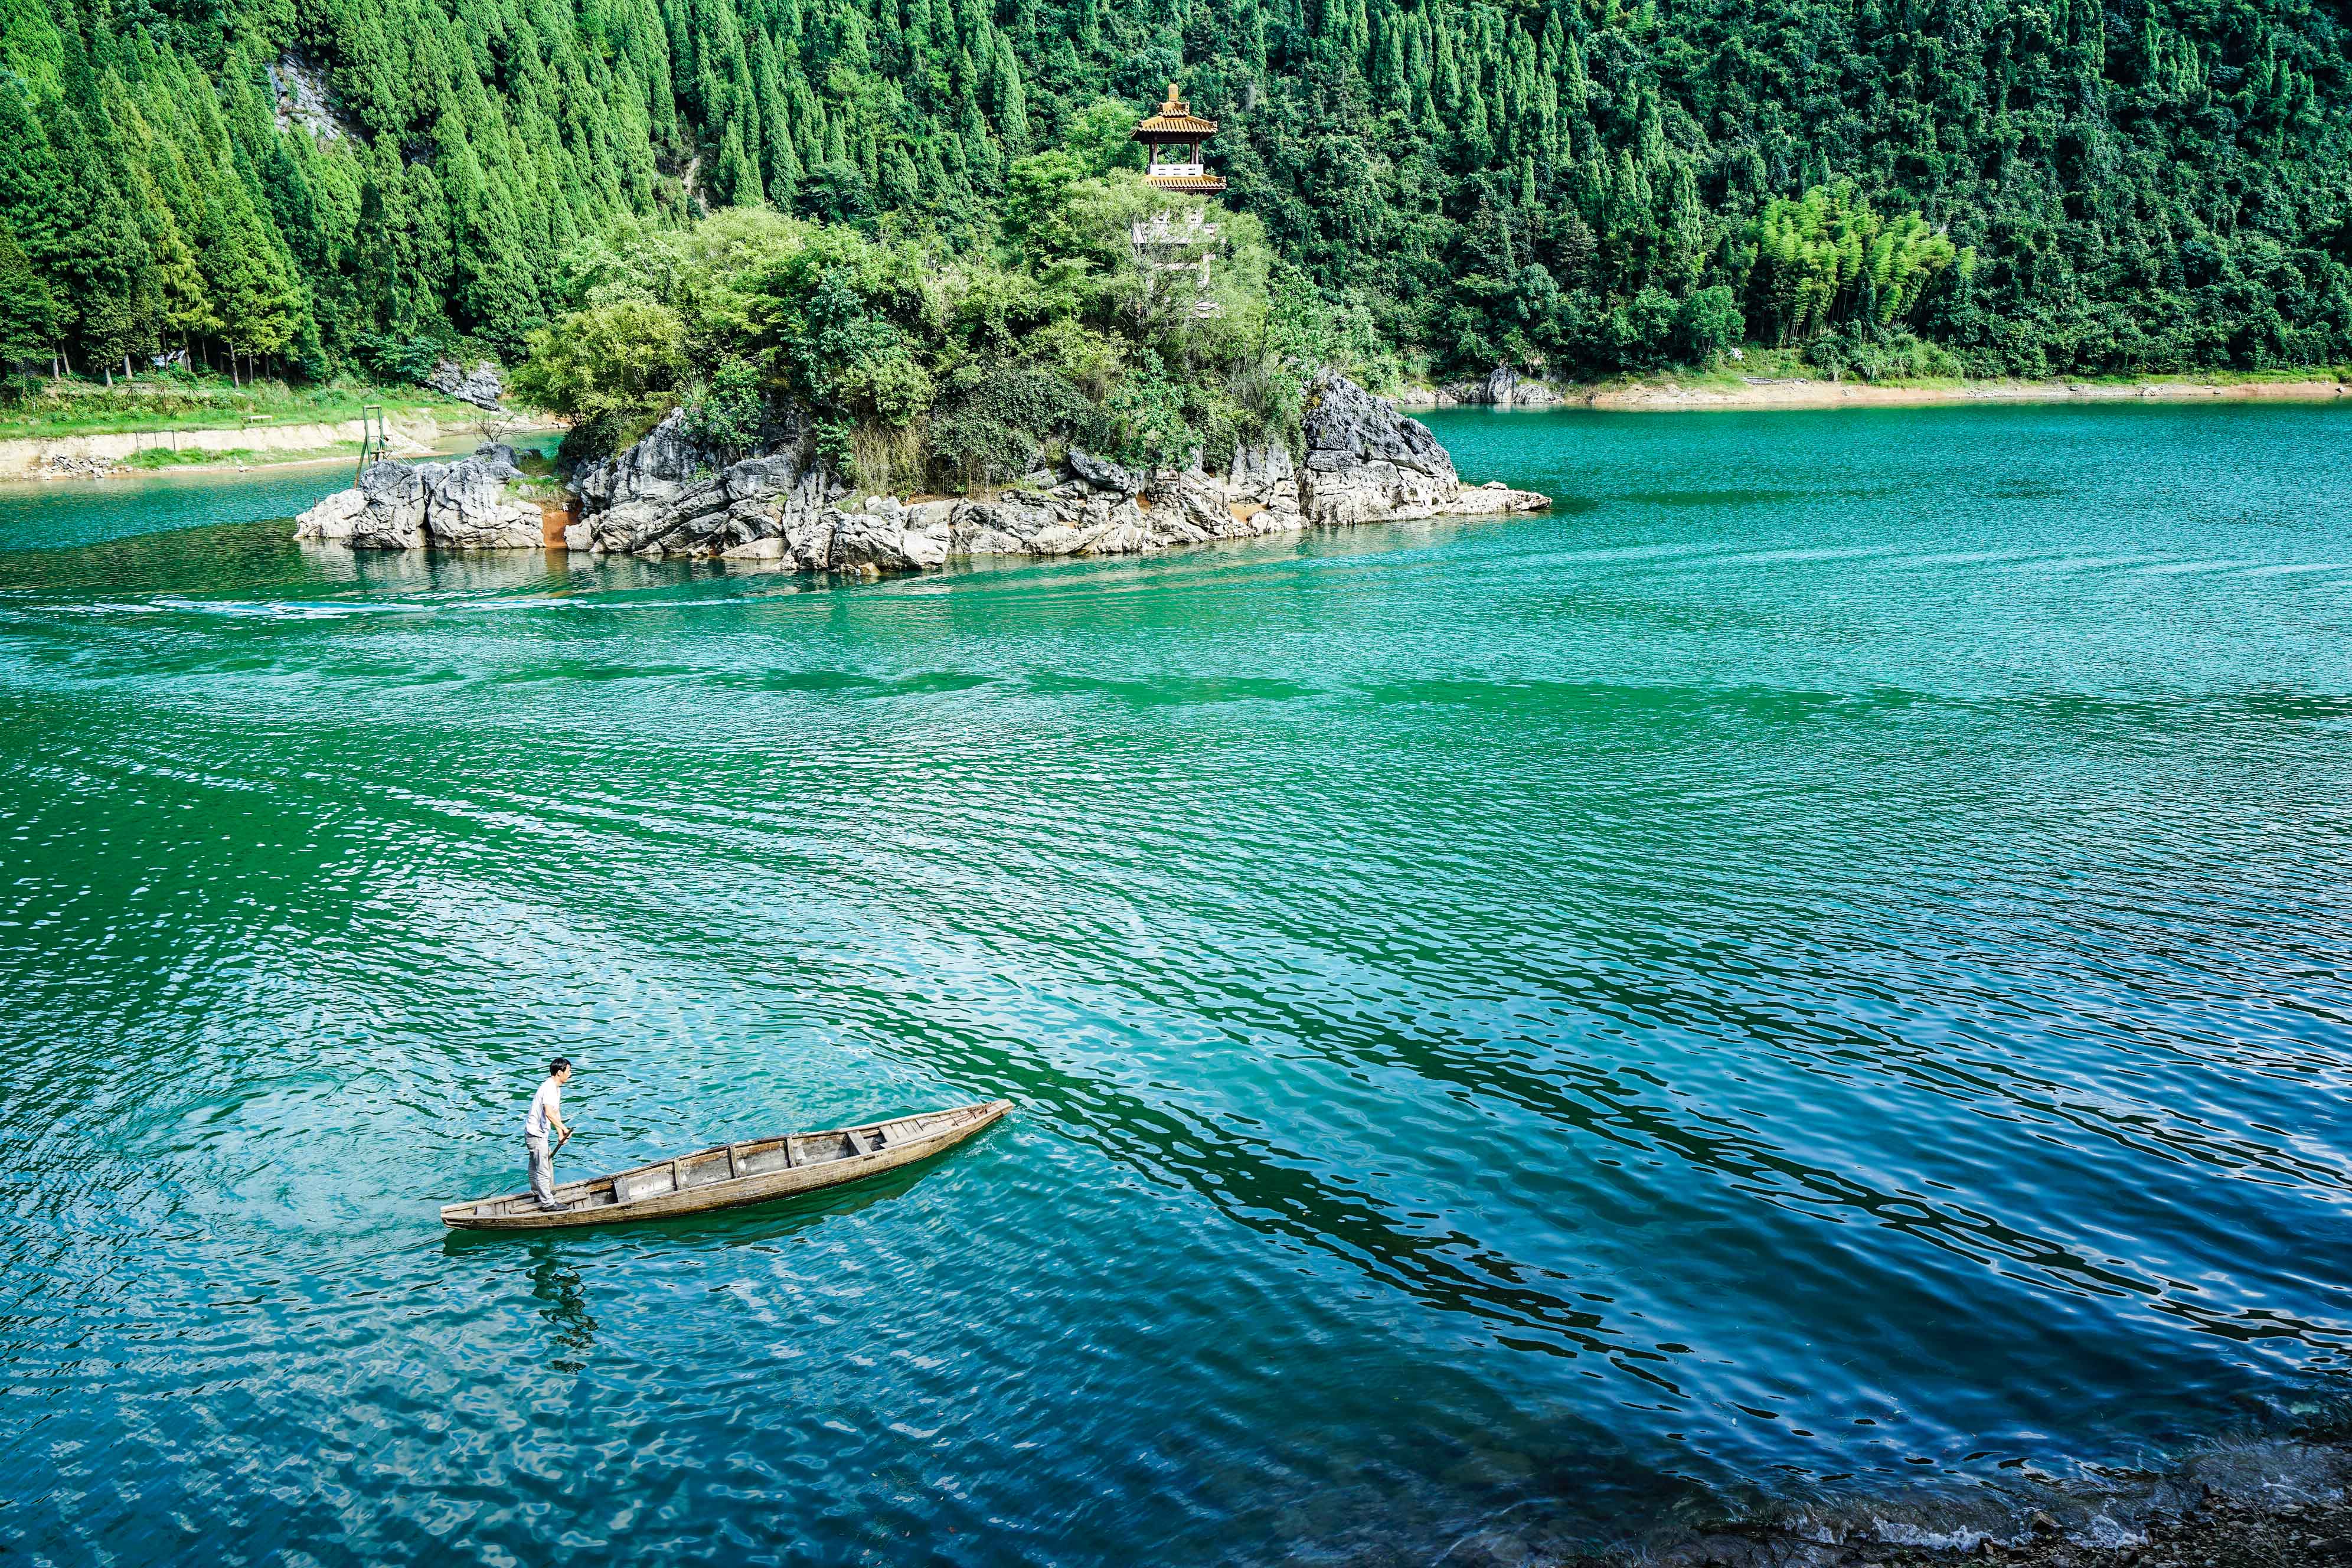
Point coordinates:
pixel 1363 462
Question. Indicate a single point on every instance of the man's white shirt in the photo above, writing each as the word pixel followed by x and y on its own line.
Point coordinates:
pixel 546 1107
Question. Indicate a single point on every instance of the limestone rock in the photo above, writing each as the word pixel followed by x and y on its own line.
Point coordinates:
pixel 808 540
pixel 1494 497
pixel 1123 537
pixel 478 384
pixel 655 469
pixel 1005 525
pixel 1103 474
pixel 303 98
pixel 667 495
pixel 463 505
pixel 392 516
pixel 1501 387
pixel 1061 539
pixel 467 506
pixel 1259 469
pixel 883 538
pixel 1364 462
pixel 1367 463
pixel 331 519
pixel 1346 426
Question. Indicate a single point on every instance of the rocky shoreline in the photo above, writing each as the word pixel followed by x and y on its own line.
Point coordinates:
pixel 2267 1504
pixel 1501 387
pixel 1364 462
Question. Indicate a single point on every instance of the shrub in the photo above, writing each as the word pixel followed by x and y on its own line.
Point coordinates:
pixel 993 425
pixel 728 414
pixel 616 370
pixel 1706 324
pixel 1873 357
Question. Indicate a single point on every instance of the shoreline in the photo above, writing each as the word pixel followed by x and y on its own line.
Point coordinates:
pixel 667 495
pixel 2280 1503
pixel 224 462
pixel 295 433
pixel 99 455
pixel 1798 393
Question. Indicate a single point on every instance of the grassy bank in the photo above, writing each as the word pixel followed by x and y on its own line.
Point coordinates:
pixel 52 410
pixel 1780 364
pixel 156 459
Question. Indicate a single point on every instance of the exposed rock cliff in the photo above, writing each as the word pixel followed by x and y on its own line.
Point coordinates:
pixel 1367 463
pixel 463 505
pixel 1501 387
pixel 665 496
pixel 479 384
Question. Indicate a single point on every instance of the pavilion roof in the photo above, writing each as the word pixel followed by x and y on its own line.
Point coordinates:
pixel 1175 118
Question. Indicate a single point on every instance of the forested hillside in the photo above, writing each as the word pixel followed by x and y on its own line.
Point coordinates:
pixel 1577 185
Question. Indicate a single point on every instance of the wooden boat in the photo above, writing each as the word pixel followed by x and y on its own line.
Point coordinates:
pixel 728 1175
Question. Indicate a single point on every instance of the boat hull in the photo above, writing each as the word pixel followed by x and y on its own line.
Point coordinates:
pixel 731 1176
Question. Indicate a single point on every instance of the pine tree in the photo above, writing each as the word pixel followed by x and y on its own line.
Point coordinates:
pixel 28 320
pixel 102 263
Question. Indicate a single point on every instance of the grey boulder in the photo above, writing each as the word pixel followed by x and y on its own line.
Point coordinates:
pixel 463 505
pixel 1102 474
pixel 1367 463
pixel 479 384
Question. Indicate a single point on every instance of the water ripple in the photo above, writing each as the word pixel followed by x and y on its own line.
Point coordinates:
pixel 1821 965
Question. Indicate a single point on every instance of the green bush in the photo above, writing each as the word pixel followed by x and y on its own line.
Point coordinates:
pixel 729 414
pixel 1707 323
pixel 995 424
pixel 1868 355
pixel 616 370
pixel 969 366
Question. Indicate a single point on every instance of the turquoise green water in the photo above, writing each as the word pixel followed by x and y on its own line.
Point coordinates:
pixel 47 514
pixel 1818 968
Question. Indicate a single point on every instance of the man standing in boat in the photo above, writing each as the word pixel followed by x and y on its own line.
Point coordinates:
pixel 546 1114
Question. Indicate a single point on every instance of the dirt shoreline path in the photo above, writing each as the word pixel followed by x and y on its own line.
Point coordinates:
pixel 43 457
pixel 93 457
pixel 414 433
pixel 1795 393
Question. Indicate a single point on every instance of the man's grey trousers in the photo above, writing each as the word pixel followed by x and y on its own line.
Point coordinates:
pixel 542 1168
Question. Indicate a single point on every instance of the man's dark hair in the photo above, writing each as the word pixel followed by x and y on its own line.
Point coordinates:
pixel 558 1064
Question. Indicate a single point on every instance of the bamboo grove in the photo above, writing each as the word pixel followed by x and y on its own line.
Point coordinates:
pixel 2035 186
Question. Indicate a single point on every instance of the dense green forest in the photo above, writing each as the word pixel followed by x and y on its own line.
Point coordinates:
pixel 2031 186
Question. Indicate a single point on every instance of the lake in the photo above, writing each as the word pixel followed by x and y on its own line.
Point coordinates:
pixel 1817 970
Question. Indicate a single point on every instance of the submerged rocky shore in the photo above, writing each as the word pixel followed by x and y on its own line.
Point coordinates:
pixel 1364 462
pixel 2277 1503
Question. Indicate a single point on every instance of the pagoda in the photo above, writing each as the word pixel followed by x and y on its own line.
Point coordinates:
pixel 1174 134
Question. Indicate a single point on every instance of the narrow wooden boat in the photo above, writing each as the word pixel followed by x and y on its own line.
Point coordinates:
pixel 729 1175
